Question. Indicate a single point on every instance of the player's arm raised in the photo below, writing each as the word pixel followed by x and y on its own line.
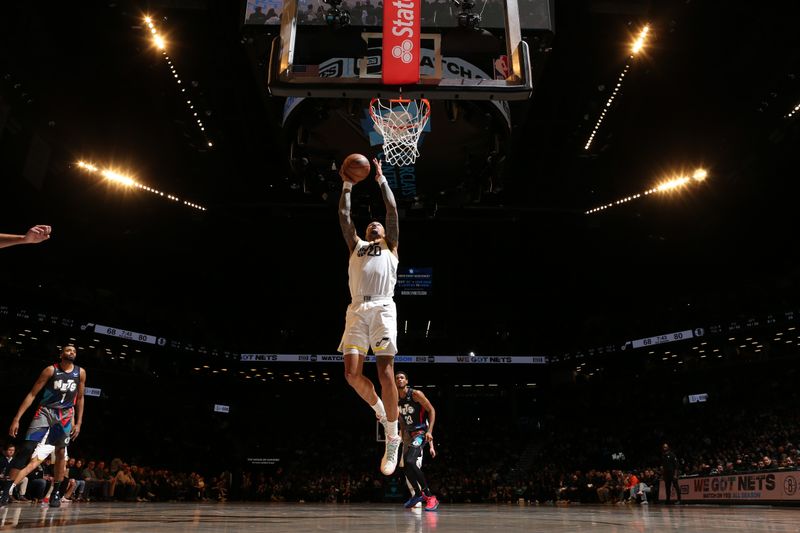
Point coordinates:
pixel 346 223
pixel 392 224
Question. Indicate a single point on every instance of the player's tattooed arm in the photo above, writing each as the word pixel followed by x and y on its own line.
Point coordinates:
pixel 345 220
pixel 392 224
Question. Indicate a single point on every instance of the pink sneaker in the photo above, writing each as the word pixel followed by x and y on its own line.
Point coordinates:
pixel 431 504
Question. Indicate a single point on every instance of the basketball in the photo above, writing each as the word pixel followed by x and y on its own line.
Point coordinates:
pixel 356 167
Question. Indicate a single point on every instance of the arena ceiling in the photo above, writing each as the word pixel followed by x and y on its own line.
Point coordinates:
pixel 715 89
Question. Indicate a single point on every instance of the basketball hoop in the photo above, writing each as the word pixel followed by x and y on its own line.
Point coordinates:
pixel 401 122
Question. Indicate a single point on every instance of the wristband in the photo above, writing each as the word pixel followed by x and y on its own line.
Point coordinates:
pixel 346 185
pixel 382 180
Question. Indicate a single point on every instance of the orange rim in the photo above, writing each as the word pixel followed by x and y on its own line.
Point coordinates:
pixel 376 118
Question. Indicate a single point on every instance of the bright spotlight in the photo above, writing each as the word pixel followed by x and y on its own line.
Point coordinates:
pixel 118 178
pixel 672 184
pixel 638 44
pixel 669 185
pixel 160 43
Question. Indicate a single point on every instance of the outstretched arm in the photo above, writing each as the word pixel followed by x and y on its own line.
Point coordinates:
pixel 392 225
pixel 32 236
pixel 40 381
pixel 348 228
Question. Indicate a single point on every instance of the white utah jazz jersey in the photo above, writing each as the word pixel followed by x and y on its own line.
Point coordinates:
pixel 373 269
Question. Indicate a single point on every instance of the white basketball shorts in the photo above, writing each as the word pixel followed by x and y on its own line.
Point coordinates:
pixel 368 325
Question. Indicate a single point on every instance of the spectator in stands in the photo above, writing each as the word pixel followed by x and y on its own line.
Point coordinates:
pixel 272 17
pixel 76 482
pixel 102 475
pixel 123 485
pixel 631 486
pixel 114 467
pixel 39 482
pixel 219 487
pixel 91 484
pixel 605 492
pixel 638 488
pixel 5 461
pixel 257 16
pixel 307 16
pixel 198 490
pixel 372 14
pixel 5 473
pixel 140 478
pixel 648 480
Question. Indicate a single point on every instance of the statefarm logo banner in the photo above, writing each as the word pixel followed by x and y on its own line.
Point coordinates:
pixel 401 51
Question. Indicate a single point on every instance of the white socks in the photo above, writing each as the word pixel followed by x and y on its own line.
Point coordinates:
pixel 379 409
pixel 391 427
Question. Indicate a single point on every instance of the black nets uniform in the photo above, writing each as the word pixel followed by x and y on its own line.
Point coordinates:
pixel 57 408
pixel 414 416
pixel 415 424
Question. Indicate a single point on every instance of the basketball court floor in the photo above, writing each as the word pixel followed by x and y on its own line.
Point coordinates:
pixel 278 518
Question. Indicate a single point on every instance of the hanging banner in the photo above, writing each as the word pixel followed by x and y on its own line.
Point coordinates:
pixel 401 50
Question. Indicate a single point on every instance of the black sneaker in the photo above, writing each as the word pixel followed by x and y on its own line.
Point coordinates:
pixel 55 500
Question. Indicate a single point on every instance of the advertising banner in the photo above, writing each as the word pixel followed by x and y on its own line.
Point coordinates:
pixel 752 487
pixel 401 50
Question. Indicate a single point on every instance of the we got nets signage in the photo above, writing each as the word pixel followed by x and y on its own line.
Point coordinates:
pixel 752 487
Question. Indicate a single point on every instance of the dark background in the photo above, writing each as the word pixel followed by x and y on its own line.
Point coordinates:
pixel 520 271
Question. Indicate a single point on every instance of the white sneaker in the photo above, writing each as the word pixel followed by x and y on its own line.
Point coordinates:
pixel 389 461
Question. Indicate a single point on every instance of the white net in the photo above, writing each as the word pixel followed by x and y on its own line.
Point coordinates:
pixel 401 123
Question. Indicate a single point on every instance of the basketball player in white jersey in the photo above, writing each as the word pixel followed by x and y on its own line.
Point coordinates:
pixel 371 320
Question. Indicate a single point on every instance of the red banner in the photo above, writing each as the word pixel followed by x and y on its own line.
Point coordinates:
pixel 401 53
